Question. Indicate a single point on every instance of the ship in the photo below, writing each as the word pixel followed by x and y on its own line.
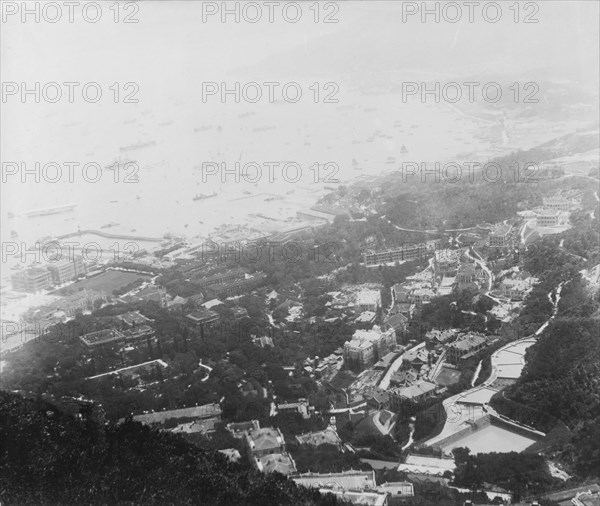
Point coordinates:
pixel 119 164
pixel 403 149
pixel 139 145
pixel 202 196
pixel 50 210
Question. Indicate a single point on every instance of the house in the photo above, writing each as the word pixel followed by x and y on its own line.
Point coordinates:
pixel 422 296
pixel 404 308
pixel 203 316
pixel 500 236
pixel 416 393
pixel 515 289
pixel 398 322
pixel 367 346
pixel 400 294
pixel 275 462
pixel 397 489
pixel 326 436
pixel 368 300
pixel 266 450
pixel 446 261
pixel 265 441
pixel 377 399
pixel 300 407
pixel 466 275
pixel 441 336
pixel 465 347
pixel 240 429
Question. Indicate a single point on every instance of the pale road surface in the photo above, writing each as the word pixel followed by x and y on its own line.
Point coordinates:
pixel 507 362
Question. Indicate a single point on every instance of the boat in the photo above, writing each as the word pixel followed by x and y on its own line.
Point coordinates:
pixel 138 197
pixel 202 128
pixel 202 196
pixel 110 225
pixel 50 210
pixel 10 216
pixel 139 145
pixel 119 163
pixel 13 234
pixel 165 123
pixel 403 149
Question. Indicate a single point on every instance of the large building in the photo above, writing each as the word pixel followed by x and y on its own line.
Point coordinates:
pixel 368 300
pixel 32 280
pixel 266 450
pixel 401 254
pixel 500 236
pixel 548 218
pixel 446 261
pixel 465 346
pixel 557 203
pixel 368 346
pixel 414 394
pixel 66 270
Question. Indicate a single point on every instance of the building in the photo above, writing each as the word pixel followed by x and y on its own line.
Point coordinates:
pixel 367 300
pixel 548 218
pixel 500 236
pixel 229 282
pixel 196 413
pixel 32 280
pixel 362 497
pixel 416 393
pixel 203 316
pixel 66 270
pixel 398 322
pixel 446 261
pixel 265 441
pixel 240 429
pixel 397 489
pixel 377 399
pixel 368 346
pixel 275 462
pixel 266 450
pixel 326 436
pixel 299 407
pixel 101 337
pixel 441 336
pixel 466 275
pixel 422 296
pixel 515 289
pixel 400 294
pixel 557 203
pixel 422 464
pixel 465 347
pixel 346 480
pixel 404 253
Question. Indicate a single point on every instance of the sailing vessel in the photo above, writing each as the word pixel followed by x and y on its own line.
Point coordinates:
pixel 202 196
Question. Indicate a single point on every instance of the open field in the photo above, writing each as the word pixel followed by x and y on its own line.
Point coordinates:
pixel 105 282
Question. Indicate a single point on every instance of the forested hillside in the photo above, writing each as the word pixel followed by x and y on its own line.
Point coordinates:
pixel 48 457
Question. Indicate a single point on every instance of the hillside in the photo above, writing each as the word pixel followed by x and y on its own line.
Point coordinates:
pixel 48 457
